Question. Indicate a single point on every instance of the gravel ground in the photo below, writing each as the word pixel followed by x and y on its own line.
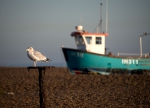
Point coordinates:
pixel 19 89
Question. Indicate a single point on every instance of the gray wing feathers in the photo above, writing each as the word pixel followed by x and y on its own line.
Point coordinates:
pixel 39 55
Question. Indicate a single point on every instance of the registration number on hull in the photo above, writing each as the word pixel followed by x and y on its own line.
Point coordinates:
pixel 129 61
pixel 77 54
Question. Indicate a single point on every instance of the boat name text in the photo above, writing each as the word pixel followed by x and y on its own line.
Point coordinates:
pixel 77 54
pixel 129 61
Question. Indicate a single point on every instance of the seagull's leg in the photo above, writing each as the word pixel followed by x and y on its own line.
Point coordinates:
pixel 34 63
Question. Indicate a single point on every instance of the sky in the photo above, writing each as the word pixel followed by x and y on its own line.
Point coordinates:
pixel 46 26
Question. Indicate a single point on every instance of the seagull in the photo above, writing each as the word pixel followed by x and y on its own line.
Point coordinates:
pixel 36 56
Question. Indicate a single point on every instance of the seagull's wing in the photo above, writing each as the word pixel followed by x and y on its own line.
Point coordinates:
pixel 39 55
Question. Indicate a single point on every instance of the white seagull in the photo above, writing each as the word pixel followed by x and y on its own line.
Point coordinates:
pixel 36 56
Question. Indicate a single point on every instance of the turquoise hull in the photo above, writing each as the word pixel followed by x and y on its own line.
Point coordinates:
pixel 82 62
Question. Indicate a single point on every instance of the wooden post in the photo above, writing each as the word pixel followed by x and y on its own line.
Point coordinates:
pixel 41 87
pixel 41 71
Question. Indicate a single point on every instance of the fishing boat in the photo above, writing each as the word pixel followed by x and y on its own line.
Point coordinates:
pixel 90 56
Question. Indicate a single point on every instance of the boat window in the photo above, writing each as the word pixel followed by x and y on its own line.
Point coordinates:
pixel 76 39
pixel 81 40
pixel 98 40
pixel 89 40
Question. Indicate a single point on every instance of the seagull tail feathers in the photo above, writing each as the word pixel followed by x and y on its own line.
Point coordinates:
pixel 47 60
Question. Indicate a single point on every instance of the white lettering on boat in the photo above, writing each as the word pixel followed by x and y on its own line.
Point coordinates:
pixel 129 61
pixel 80 54
pixel 77 54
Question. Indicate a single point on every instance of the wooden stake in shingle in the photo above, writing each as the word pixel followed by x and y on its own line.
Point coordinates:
pixel 41 71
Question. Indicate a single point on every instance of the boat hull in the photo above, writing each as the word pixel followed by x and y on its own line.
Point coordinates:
pixel 82 62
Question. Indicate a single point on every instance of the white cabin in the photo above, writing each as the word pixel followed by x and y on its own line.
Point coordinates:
pixel 90 42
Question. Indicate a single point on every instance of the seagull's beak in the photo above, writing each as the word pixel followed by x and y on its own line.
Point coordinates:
pixel 26 49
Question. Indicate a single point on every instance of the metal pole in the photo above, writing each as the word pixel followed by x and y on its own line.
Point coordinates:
pixel 101 18
pixel 106 16
pixel 141 46
pixel 145 34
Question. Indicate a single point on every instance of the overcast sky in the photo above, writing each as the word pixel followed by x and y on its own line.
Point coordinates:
pixel 46 25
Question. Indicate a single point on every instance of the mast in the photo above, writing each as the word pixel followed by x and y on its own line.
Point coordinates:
pixel 100 17
pixel 99 26
pixel 106 16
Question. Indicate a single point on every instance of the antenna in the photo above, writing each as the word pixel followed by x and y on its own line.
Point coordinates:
pixel 106 16
pixel 81 19
pixel 100 17
pixel 99 26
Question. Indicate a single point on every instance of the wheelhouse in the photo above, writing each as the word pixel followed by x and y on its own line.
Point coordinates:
pixel 90 42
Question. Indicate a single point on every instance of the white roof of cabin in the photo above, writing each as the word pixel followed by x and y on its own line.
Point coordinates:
pixel 87 34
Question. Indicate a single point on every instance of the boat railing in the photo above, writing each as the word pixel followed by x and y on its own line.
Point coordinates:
pixel 134 54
